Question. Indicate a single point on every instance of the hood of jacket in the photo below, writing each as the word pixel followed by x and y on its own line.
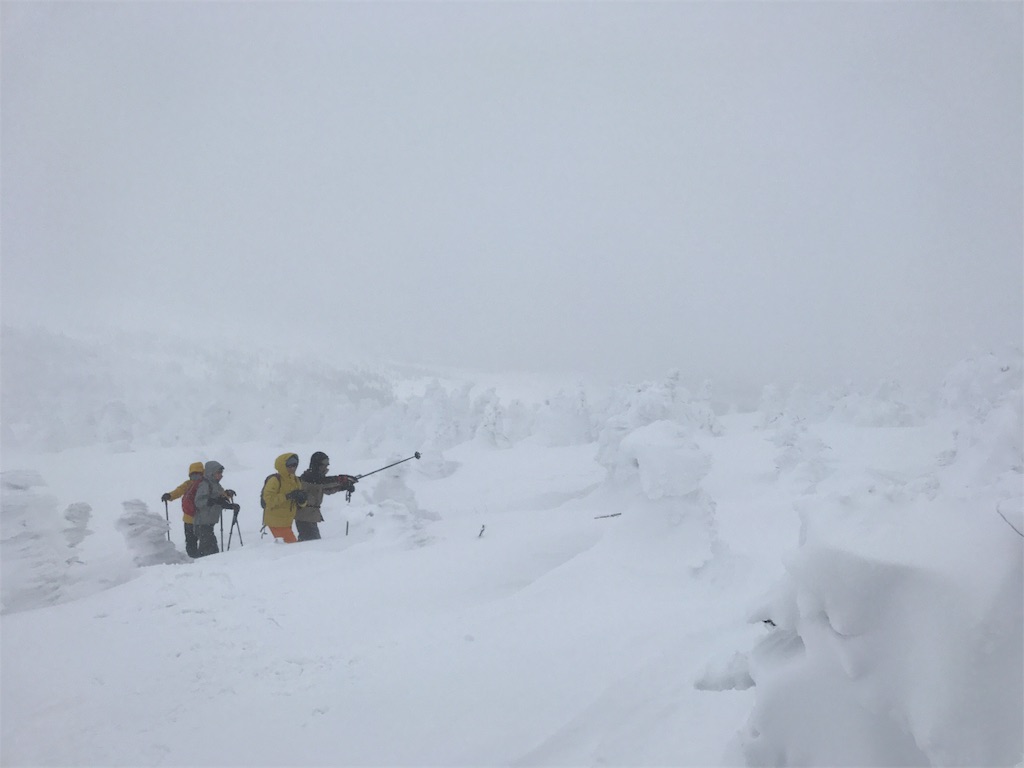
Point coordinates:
pixel 279 463
pixel 196 466
pixel 213 467
pixel 280 510
pixel 316 471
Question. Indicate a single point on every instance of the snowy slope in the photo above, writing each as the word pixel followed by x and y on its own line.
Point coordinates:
pixel 574 575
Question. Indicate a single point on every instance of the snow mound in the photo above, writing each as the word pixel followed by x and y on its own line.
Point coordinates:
pixel 905 648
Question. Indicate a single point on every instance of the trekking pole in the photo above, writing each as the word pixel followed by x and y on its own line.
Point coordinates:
pixel 222 532
pixel 234 524
pixel 416 455
pixel 167 516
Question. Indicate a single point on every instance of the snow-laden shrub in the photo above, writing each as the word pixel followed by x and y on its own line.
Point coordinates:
pixel 608 442
pixel 669 399
pixel 647 404
pixel 439 418
pixel 664 459
pixel 390 484
pixel 802 456
pixel 59 393
pixel 38 549
pixel 887 405
pixel 984 401
pixel 564 419
pixel 977 385
pixel 772 405
pixel 807 407
pixel 798 407
pixel 519 421
pixel 490 423
pixel 145 533
pixel 77 516
pixel 654 476
pixel 396 511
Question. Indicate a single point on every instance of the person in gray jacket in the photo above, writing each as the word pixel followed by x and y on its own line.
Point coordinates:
pixel 211 500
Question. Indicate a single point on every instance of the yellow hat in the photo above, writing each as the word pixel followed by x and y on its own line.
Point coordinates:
pixel 195 466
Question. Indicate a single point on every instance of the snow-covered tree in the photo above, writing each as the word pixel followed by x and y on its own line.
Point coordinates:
pixel 34 556
pixel 145 533
pixel 564 419
pixel 77 516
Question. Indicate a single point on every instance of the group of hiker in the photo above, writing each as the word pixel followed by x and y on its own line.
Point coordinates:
pixel 286 498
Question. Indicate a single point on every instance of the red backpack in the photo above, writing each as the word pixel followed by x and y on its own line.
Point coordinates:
pixel 188 501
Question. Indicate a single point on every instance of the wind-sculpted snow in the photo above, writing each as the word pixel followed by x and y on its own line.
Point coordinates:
pixel 570 575
pixel 914 660
pixel 897 633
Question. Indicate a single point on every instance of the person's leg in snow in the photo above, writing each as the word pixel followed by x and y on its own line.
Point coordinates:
pixel 207 541
pixel 285 534
pixel 307 531
pixel 191 543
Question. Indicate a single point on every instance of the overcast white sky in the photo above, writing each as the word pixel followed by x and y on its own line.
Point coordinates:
pixel 770 191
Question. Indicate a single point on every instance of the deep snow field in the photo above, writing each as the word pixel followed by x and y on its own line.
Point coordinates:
pixel 570 575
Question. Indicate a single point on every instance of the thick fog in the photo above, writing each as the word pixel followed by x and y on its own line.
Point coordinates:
pixel 757 192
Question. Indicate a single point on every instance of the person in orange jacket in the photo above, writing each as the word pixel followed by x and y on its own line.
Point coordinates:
pixel 186 492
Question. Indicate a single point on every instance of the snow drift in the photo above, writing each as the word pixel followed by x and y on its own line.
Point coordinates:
pixel 570 575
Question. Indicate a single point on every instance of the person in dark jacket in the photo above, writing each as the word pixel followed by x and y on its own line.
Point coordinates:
pixel 316 483
pixel 210 500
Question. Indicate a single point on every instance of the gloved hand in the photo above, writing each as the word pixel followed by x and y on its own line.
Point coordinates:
pixel 347 482
pixel 229 493
pixel 165 497
pixel 234 508
pixel 298 496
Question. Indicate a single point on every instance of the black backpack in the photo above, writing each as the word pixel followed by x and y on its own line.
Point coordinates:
pixel 263 501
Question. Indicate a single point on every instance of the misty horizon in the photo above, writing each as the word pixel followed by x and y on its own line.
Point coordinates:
pixel 748 193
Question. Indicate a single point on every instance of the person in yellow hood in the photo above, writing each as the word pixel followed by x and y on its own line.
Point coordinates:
pixel 186 492
pixel 282 497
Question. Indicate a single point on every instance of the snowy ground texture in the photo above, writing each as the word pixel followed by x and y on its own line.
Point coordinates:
pixel 568 576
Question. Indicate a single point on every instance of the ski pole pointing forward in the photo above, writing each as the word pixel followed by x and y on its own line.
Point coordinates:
pixel 389 466
pixel 416 455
